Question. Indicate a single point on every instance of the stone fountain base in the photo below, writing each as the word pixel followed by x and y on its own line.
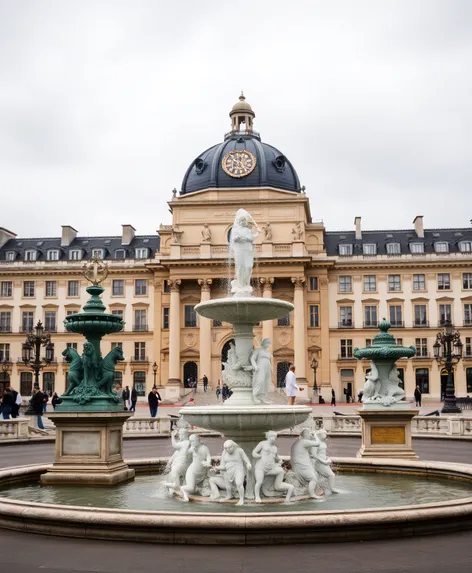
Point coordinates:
pixel 89 449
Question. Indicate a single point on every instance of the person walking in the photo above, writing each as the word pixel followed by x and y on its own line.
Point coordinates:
pixel 225 392
pixel 37 404
pixel 333 397
pixel 55 400
pixel 418 396
pixel 291 386
pixel 126 398
pixel 8 403
pixel 153 400
pixel 45 401
pixel 15 411
pixel 134 399
pixel 218 391
pixel 205 383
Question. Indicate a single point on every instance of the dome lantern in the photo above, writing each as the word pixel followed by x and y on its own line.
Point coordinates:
pixel 242 116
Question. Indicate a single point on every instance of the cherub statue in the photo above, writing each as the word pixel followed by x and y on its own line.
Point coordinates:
pixel 197 471
pixel 234 465
pixel 323 463
pixel 206 233
pixel 372 384
pixel 180 460
pixel 236 370
pixel 267 232
pixel 268 463
pixel 301 459
pixel 261 362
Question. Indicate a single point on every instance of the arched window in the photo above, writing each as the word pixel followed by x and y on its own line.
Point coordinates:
pixel 190 374
pixel 26 383
pixel 48 381
pixel 139 383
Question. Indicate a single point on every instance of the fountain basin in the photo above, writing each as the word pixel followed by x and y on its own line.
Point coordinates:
pixel 71 513
pixel 244 310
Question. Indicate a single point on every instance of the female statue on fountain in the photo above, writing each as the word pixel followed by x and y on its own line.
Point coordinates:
pixel 241 247
pixel 261 362
pixel 268 463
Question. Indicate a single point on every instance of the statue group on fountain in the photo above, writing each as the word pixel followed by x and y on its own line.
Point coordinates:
pixel 384 392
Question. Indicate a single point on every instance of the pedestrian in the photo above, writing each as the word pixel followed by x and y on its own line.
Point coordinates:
pixel 418 396
pixel 218 391
pixel 225 392
pixel 119 392
pixel 291 386
pixel 134 399
pixel 333 397
pixel 15 411
pixel 360 394
pixel 8 403
pixel 45 401
pixel 37 404
pixel 126 396
pixel 205 383
pixel 194 384
pixel 153 400
pixel 55 400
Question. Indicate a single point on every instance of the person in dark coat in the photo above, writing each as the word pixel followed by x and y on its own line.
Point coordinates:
pixel 418 396
pixel 15 411
pixel 205 383
pixel 125 396
pixel 37 404
pixel 134 399
pixel 153 400
pixel 8 403
pixel 333 397
pixel 55 400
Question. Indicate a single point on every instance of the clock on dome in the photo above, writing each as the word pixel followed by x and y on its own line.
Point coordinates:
pixel 238 163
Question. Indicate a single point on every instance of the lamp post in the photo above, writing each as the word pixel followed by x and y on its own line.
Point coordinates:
pixel 448 352
pixel 31 350
pixel 155 368
pixel 314 365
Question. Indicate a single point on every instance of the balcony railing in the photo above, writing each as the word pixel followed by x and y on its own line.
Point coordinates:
pixel 371 324
pixel 397 324
pixel 25 329
pixel 420 324
pixel 442 321
pixel 467 322
pixel 140 328
pixel 141 359
pixel 348 356
pixel 346 324
pixel 5 329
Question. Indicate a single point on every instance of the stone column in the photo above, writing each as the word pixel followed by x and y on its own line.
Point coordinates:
pixel 299 332
pixel 174 331
pixel 205 332
pixel 267 325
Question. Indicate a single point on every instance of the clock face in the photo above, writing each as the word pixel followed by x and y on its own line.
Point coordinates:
pixel 238 163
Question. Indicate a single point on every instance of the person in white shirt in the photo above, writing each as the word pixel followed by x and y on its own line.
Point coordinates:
pixel 291 385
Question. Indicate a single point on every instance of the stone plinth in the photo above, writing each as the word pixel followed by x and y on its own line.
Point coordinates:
pixel 89 449
pixel 386 432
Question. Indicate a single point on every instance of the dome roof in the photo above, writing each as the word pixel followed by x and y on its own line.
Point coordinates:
pixel 268 166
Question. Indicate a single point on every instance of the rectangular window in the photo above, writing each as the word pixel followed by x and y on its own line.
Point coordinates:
pixel 370 283
pixel 72 345
pixel 69 312
pixel 30 255
pixel 98 253
pixel 345 250
pixel 468 346
pixel 6 289
pixel 393 249
pixel 422 379
pixel 370 316
pixel 314 315
pixel 368 342
pixel 419 282
pixel 73 288
pixel 140 287
pixel 441 247
pixel 118 287
pixel 467 281
pixel 421 345
pixel 10 256
pixel 369 249
pixel 394 283
pixel 28 289
pixel 399 341
pixel 445 313
pixel 165 317
pixel 468 314
pixel 468 380
pixel 284 320
pixel 5 352
pixel 75 255
pixel 48 381
pixel 120 254
pixel 444 281
pixel 417 248
pixel 140 320
pixel 396 318
pixel 51 288
pixel 465 246
pixel 142 253
pixel 166 286
pixel 139 383
pixel 420 315
pixel 345 316
pixel 346 348
pixel 53 255
pixel 50 321
pixel 140 351
pixel 5 321
pixel 116 345
pixel 190 316
pixel 345 284
pixel 118 312
pixel 27 320
pixel 313 283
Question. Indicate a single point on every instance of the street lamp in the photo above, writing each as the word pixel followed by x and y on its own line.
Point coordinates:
pixel 31 350
pixel 155 368
pixel 314 365
pixel 448 352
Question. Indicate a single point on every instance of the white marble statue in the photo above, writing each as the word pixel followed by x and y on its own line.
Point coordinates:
pixel 268 463
pixel 267 232
pixel 237 371
pixel 198 470
pixel 323 463
pixel 234 465
pixel 385 392
pixel 297 231
pixel 206 233
pixel 301 459
pixel 180 459
pixel 242 249
pixel 261 362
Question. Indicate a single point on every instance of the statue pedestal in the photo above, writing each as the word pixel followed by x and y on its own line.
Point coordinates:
pixel 386 432
pixel 89 449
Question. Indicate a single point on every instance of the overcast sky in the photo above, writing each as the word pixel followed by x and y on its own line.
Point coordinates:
pixel 104 104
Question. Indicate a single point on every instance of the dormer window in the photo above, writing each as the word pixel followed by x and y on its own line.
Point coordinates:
pixel 441 247
pixel 417 248
pixel 369 249
pixel 345 250
pixel 393 249
pixel 98 252
pixel 75 255
pixel 120 254
pixel 465 246
pixel 53 255
pixel 30 255
pixel 10 256
pixel 142 253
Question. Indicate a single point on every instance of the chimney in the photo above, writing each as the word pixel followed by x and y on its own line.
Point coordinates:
pixel 357 223
pixel 68 235
pixel 5 236
pixel 418 223
pixel 128 234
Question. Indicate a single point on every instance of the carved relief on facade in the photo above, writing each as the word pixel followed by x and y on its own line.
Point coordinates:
pixel 174 285
pixel 205 284
pixel 298 282
pixel 284 338
pixel 190 340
